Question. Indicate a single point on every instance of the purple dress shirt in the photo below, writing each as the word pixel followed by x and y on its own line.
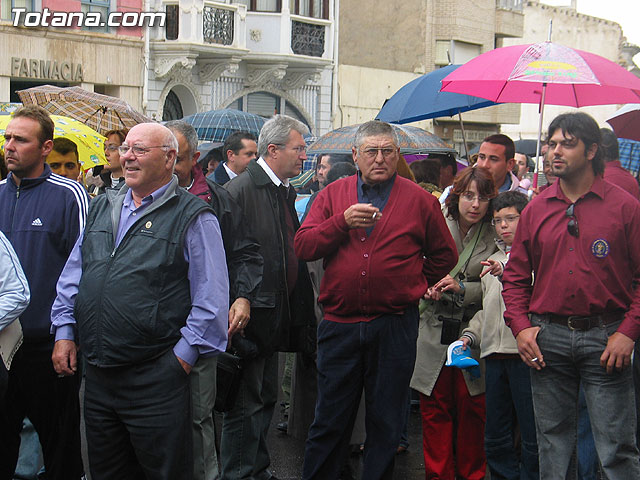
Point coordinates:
pixel 205 332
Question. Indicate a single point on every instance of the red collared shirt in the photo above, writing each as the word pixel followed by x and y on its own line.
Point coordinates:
pixel 614 173
pixel 588 275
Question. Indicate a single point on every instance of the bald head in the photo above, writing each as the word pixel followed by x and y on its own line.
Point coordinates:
pixel 150 158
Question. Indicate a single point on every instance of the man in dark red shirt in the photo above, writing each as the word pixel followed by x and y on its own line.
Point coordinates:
pixel 580 238
pixel 383 240
pixel 613 171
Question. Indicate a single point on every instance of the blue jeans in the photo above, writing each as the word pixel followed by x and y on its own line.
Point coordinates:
pixel 508 397
pixel 587 456
pixel 572 357
pixel 378 355
pixel 30 459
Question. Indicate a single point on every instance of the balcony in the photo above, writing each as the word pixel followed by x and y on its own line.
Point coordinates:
pixel 307 38
pixel 215 37
pixel 231 26
pixel 509 18
pixel 217 25
pixel 515 5
pixel 207 23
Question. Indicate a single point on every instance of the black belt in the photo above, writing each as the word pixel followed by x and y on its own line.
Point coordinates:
pixel 577 322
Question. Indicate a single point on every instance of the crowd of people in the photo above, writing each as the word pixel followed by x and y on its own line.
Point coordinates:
pixel 118 298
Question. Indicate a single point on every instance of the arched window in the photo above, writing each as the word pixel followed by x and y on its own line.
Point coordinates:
pixel 172 109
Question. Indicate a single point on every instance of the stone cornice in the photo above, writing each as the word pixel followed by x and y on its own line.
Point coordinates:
pixel 210 71
pixel 72 35
pixel 178 67
pixel 297 77
pixel 264 73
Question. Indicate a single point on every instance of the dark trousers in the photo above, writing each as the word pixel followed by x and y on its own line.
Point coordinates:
pixel 508 400
pixel 138 420
pixel 51 403
pixel 244 453
pixel 378 355
pixel 4 380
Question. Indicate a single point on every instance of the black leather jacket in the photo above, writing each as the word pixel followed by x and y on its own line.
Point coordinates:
pixel 278 322
pixel 242 251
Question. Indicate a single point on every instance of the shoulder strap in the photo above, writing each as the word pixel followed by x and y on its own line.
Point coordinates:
pixel 465 256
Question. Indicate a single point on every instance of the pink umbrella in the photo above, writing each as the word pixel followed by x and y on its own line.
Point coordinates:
pixel 544 73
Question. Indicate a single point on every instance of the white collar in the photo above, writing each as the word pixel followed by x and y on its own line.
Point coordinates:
pixel 274 178
pixel 230 172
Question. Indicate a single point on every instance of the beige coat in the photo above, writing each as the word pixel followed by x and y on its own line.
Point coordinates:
pixel 431 354
pixel 487 328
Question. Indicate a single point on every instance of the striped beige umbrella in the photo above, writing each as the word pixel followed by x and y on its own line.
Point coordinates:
pixel 100 112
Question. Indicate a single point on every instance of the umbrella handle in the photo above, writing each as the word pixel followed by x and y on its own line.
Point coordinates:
pixel 541 112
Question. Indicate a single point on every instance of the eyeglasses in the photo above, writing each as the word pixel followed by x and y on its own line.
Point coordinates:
pixel 299 149
pixel 509 219
pixel 472 197
pixel 111 148
pixel 572 226
pixel 372 153
pixel 137 150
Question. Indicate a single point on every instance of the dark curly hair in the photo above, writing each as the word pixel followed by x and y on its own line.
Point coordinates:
pixel 515 199
pixel 461 183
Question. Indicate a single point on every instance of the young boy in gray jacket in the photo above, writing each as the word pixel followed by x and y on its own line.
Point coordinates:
pixel 508 387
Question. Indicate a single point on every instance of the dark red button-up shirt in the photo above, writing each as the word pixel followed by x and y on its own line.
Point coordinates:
pixel 588 275
pixel 614 173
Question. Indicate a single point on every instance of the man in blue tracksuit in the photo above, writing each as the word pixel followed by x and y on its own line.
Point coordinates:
pixel 42 215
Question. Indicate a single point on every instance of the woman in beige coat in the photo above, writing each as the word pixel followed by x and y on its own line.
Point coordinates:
pixel 451 401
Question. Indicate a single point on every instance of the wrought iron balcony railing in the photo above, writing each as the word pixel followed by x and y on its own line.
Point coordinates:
pixel 217 25
pixel 307 39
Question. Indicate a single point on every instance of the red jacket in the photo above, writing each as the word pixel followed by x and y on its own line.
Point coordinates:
pixel 385 272
pixel 200 187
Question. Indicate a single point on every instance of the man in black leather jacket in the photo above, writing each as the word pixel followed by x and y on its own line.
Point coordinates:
pixel 282 312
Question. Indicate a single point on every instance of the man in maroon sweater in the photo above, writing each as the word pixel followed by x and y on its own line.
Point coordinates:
pixel 384 240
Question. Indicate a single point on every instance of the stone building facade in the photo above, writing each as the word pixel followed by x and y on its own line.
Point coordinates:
pixel 399 41
pixel 260 56
pixel 102 59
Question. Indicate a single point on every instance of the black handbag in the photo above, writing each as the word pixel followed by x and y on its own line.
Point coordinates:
pixel 228 376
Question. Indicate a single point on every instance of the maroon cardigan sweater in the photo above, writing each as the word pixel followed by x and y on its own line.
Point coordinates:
pixel 367 276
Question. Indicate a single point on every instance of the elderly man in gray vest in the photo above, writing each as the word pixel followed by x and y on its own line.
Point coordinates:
pixel 144 294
